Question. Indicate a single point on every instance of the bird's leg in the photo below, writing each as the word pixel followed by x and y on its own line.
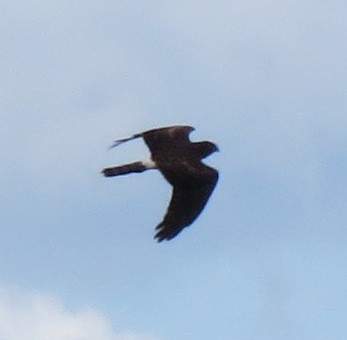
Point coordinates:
pixel 128 168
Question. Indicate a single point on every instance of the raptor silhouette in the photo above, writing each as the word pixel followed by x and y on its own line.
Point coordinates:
pixel 179 160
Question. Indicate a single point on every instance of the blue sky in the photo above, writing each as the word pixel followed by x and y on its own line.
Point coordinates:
pixel 265 80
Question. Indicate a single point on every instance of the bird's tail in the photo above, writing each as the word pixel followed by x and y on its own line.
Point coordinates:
pixel 124 169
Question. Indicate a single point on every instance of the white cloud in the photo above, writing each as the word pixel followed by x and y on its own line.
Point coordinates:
pixel 28 316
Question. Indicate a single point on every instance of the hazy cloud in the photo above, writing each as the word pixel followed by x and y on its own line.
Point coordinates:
pixel 27 316
pixel 267 69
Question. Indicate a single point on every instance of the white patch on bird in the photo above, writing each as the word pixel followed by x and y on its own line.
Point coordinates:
pixel 149 164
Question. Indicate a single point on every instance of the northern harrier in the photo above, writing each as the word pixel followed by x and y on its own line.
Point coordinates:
pixel 179 160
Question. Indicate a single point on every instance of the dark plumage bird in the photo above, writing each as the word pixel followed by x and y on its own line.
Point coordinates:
pixel 179 160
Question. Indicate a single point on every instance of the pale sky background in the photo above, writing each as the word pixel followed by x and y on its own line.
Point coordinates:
pixel 265 80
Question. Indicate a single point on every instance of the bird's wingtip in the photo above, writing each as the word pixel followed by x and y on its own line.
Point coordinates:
pixel 114 144
pixel 159 236
pixel 164 232
pixel 123 140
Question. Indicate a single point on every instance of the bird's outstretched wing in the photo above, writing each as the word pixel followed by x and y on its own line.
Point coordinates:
pixel 163 140
pixel 187 201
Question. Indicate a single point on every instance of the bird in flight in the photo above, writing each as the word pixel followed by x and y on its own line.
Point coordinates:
pixel 179 161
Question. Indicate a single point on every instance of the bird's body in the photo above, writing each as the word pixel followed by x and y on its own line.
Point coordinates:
pixel 179 160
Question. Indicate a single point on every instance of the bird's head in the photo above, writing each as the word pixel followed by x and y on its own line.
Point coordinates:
pixel 205 148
